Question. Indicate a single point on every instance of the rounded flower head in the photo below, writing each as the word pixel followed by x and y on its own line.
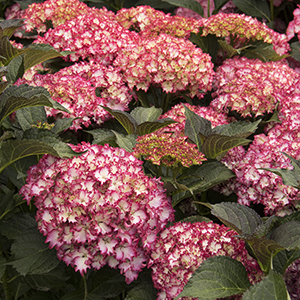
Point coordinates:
pixel 58 12
pixel 252 87
pixel 252 184
pixel 150 22
pixel 246 29
pixel 98 208
pixel 294 26
pixel 292 280
pixel 181 249
pixel 163 149
pixel 171 63
pixel 74 88
pixel 93 35
pixel 177 113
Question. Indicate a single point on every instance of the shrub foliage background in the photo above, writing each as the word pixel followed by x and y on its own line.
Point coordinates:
pixel 206 113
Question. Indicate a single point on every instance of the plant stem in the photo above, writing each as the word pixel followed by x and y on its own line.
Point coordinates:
pixel 4 280
pixel 85 288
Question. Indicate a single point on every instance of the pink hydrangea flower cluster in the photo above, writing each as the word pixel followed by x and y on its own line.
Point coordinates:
pixel 74 88
pixel 164 149
pixel 93 35
pixel 292 280
pixel 252 87
pixel 177 113
pixel 188 13
pixel 99 208
pixel 151 22
pixel 259 186
pixel 171 63
pixel 245 28
pixel 58 12
pixel 181 248
pixel 294 26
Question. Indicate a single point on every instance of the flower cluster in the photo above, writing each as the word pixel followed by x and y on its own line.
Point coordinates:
pixel 188 13
pixel 74 88
pixel 292 280
pixel 99 208
pixel 252 184
pixel 294 26
pixel 93 35
pixel 173 64
pixel 151 22
pixel 181 249
pixel 163 149
pixel 177 113
pixel 245 28
pixel 252 87
pixel 56 11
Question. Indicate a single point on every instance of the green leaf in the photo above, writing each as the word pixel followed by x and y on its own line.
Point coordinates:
pixel 201 178
pixel 31 255
pixel 272 287
pixel 12 150
pixel 263 229
pixel 62 124
pixel 209 44
pixel 254 8
pixel 142 291
pixel 8 51
pixel 190 4
pixel 217 277
pixel 28 116
pixel 238 129
pixel 8 27
pixel 240 218
pixel 227 48
pixel 283 259
pixel 126 142
pixel 194 125
pixel 79 295
pixel 148 127
pixel 48 137
pixel 218 5
pixel 146 114
pixel 55 278
pixel 295 53
pixel 14 226
pixel 125 119
pixel 108 283
pixel 195 219
pixel 287 235
pixel 15 69
pixel 102 136
pixel 217 144
pixel 17 97
pixel 262 51
pixel 265 249
pixel 39 53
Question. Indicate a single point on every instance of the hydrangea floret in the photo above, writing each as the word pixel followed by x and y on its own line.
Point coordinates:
pixel 246 29
pixel 292 280
pixel 171 63
pixel 252 87
pixel 163 149
pixel 182 247
pixel 74 87
pixel 99 208
pixel 150 22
